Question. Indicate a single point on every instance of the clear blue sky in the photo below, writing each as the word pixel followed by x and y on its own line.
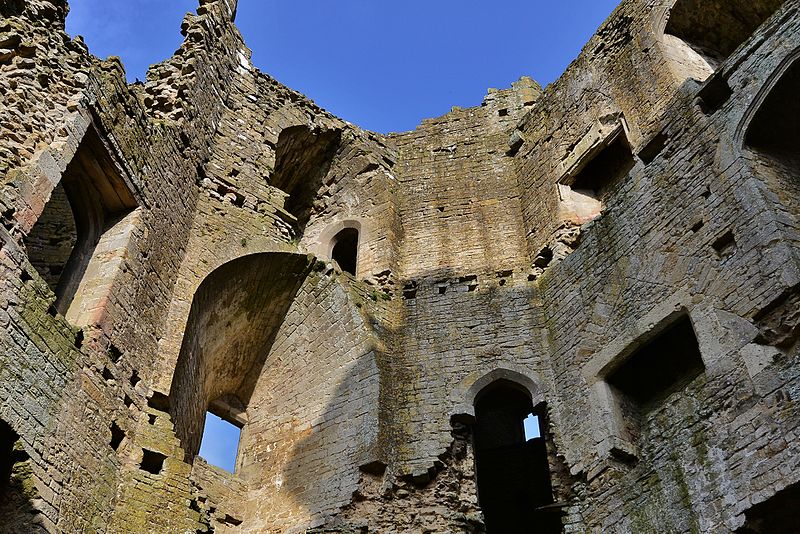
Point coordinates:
pixel 381 64
pixel 220 443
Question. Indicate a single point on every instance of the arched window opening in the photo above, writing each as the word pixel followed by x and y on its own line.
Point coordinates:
pixel 345 250
pixel 83 228
pixel 773 136
pixel 224 422
pixel 220 444
pixel 235 315
pixel 511 461
pixel 775 128
pixel 701 34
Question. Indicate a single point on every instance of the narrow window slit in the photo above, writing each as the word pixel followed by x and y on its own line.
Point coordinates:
pixel 78 339
pixel 117 435
pixel 531 426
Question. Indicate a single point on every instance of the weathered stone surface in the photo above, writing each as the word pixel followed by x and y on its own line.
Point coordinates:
pixel 547 239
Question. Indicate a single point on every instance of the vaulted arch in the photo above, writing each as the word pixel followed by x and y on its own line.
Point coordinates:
pixel 703 33
pixel 235 314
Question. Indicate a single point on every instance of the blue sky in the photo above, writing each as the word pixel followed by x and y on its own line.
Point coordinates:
pixel 532 430
pixel 220 443
pixel 383 65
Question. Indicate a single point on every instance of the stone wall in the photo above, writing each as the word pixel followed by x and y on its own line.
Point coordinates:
pixel 544 238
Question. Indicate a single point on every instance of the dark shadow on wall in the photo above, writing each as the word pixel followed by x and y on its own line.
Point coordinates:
pixel 327 465
pixel 17 492
pixel 235 315
pixel 318 405
pixel 323 468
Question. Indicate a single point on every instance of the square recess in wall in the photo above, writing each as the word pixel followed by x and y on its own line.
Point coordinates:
pixel 152 462
pixel 661 367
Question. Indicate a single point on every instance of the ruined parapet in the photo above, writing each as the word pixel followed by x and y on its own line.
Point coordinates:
pixel 171 90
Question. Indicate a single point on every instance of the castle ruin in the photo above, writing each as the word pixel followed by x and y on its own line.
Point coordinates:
pixel 616 256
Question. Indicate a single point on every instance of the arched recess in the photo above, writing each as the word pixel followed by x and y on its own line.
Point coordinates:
pixel 235 314
pixel 771 133
pixel 474 388
pixel 344 250
pixel 80 238
pixel 303 157
pixel 701 34
pixel 345 238
pixel 513 471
